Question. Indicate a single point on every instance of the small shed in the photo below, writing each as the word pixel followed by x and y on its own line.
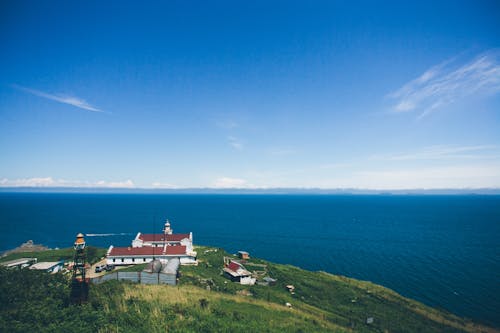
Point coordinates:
pixel 243 255
pixel 19 263
pixel 49 266
pixel 269 280
pixel 236 272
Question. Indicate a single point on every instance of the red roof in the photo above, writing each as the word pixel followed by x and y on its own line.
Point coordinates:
pixel 233 266
pixel 135 251
pixel 161 237
pixel 180 249
pixel 147 251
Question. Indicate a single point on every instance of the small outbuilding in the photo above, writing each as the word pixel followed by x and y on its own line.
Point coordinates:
pixel 49 266
pixel 243 255
pixel 267 281
pixel 236 272
pixel 19 263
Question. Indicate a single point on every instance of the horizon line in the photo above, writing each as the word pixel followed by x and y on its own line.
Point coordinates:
pixel 236 190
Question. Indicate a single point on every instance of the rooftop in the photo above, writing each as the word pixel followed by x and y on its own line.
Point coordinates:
pixel 45 265
pixel 17 262
pixel 147 251
pixel 161 237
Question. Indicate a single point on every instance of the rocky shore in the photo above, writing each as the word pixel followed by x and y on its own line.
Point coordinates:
pixel 29 246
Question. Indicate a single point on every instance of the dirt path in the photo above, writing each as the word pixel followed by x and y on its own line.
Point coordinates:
pixel 90 272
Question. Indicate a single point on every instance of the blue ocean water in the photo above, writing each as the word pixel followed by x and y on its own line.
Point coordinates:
pixel 441 250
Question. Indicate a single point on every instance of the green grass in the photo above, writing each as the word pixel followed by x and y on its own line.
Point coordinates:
pixel 205 301
pixel 339 300
pixel 94 254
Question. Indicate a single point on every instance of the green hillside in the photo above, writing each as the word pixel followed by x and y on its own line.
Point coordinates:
pixel 205 301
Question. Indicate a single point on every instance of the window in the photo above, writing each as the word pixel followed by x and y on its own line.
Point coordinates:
pixel 133 259
pixel 114 259
pixel 123 260
pixel 144 259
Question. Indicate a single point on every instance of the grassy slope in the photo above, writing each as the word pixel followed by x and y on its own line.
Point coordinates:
pixel 338 300
pixel 322 303
pixel 93 255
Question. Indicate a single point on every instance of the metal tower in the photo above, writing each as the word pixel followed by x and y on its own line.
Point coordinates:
pixel 79 284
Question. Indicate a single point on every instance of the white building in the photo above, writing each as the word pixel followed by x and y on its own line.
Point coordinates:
pixel 146 247
pixel 48 266
pixel 236 272
pixel 19 263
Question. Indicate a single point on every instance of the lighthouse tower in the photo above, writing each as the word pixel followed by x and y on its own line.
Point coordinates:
pixel 167 230
pixel 79 284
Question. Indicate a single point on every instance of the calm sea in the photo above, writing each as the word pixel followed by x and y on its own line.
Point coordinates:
pixel 441 250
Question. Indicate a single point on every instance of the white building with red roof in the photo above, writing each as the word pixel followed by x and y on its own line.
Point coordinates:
pixel 238 273
pixel 147 247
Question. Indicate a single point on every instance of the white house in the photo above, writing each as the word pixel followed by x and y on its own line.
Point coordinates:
pixel 237 273
pixel 138 255
pixel 147 247
pixel 159 240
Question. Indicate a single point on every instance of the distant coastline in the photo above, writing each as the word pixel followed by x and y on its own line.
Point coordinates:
pixel 278 191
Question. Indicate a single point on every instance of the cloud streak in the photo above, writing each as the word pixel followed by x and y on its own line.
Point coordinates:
pixel 51 182
pixel 61 98
pixel 457 176
pixel 226 182
pixel 159 185
pixel 444 152
pixel 449 82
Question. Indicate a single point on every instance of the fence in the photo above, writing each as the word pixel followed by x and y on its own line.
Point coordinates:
pixel 138 277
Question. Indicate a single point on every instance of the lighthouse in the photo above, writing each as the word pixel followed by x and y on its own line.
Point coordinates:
pixel 79 284
pixel 167 230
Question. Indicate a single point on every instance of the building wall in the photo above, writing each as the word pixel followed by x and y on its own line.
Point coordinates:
pixel 185 260
pixel 248 280
pixel 188 261
pixel 137 242
pixel 188 244
pixel 127 260
pixel 138 277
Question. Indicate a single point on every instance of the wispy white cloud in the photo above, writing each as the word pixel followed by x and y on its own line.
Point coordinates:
pixel 457 176
pixel 50 182
pixel 28 182
pixel 61 98
pixel 235 143
pixel 226 182
pixel 160 185
pixel 449 82
pixel 443 152
pixel 235 183
pixel 125 184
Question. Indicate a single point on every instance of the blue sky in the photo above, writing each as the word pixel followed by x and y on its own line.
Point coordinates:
pixel 250 94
